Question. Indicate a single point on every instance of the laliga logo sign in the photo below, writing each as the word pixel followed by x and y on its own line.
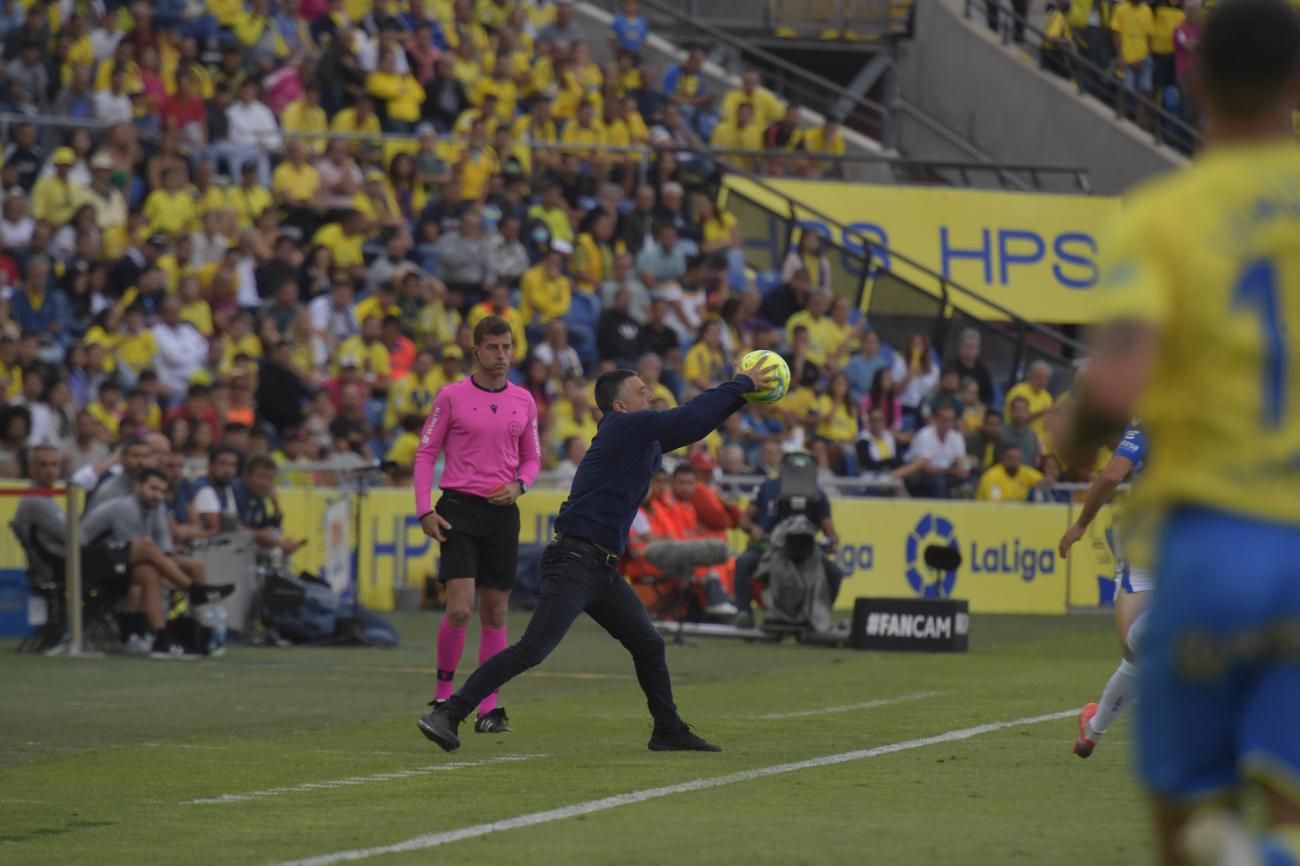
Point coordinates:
pixel 984 557
pixel 930 530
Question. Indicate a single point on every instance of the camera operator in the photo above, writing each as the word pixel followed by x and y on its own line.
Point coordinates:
pixel 767 510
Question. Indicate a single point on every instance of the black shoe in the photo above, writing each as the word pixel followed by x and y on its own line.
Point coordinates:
pixel 205 593
pixel 439 727
pixel 168 650
pixel 494 722
pixel 679 739
pixel 435 703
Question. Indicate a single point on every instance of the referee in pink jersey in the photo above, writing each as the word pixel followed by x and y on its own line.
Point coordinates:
pixel 487 428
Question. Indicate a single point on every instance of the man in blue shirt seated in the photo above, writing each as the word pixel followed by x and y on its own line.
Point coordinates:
pixel 579 568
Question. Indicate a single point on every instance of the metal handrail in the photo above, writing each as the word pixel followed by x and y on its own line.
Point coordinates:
pixel 963 169
pixel 811 79
pixel 1008 22
pixel 816 84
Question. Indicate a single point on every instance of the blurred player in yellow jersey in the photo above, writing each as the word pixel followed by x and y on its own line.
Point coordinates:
pixel 1202 340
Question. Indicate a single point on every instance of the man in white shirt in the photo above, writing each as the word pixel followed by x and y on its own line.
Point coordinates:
pixel 114 105
pixel 937 458
pixel 254 132
pixel 333 314
pixel 215 510
pixel 181 349
pixel 104 38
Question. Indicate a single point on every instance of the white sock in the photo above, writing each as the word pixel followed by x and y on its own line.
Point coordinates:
pixel 1119 693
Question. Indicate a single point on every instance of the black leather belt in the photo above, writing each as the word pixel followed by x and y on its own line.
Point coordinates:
pixel 611 558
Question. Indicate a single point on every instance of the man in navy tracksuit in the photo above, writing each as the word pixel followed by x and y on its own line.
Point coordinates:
pixel 579 567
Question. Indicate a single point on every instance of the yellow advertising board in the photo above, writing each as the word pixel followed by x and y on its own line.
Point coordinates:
pixel 1009 551
pixel 1035 254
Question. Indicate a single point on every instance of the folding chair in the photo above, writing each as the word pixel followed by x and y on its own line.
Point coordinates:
pixel 45 574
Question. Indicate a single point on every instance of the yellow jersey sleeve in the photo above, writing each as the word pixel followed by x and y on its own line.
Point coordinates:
pixel 1136 280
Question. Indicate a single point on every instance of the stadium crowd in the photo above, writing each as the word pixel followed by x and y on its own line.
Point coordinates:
pixel 274 226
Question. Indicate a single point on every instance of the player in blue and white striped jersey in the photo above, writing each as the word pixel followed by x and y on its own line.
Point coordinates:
pixel 1133 583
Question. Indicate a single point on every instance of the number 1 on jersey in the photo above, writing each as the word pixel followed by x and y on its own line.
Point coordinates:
pixel 1257 288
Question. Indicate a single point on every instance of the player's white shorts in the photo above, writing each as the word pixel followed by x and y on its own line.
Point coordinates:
pixel 1133 579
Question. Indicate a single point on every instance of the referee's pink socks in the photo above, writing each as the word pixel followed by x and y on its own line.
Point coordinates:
pixel 490 642
pixel 451 643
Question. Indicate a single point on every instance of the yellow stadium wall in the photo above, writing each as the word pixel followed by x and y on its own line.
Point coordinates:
pixel 1010 557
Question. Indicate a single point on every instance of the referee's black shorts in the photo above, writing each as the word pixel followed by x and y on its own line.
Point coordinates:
pixel 483 541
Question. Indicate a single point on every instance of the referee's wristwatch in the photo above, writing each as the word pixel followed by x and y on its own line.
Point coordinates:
pixel 523 486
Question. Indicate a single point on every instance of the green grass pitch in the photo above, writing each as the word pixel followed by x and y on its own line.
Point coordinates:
pixel 302 753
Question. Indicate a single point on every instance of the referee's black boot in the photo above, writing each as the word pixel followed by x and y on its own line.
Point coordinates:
pixel 439 726
pixel 679 738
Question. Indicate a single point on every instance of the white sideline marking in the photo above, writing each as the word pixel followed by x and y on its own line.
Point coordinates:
pixel 353 780
pixel 865 705
pixel 434 840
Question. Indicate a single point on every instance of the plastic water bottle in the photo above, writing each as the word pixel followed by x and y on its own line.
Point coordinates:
pixel 214 616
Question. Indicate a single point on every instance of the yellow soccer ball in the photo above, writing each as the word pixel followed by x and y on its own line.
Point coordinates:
pixel 766 359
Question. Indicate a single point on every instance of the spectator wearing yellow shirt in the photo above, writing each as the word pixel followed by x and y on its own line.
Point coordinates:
pixel 766 107
pixel 823 335
pixel 121 61
pixel 359 119
pixel 136 347
pixel 837 414
pixel 1133 25
pixel 536 127
pixel 1166 16
pixel 500 85
pixel 405 445
pixel 827 139
pixel 486 113
pixel 368 352
pixel 1007 480
pixel 380 304
pixel 571 418
pixel 249 198
pixel 208 197
pixel 586 138
pixel 743 133
pixel 413 394
pixel 378 202
pixel 649 368
pixel 624 128
pixel 107 410
pixel 475 164
pixel 305 115
pixel 466 67
pixel 344 239
pixel 545 290
pixel 705 364
pixel 463 30
pixel 55 197
pixel 553 211
pixel 170 210
pixel 1035 393
pixel 296 182
pixel 400 93
pixel 194 309
pixel 595 254
pixel 498 304
pixel 720 237
pixel 259 34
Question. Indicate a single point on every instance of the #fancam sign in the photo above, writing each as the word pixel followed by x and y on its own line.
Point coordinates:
pixel 910 624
